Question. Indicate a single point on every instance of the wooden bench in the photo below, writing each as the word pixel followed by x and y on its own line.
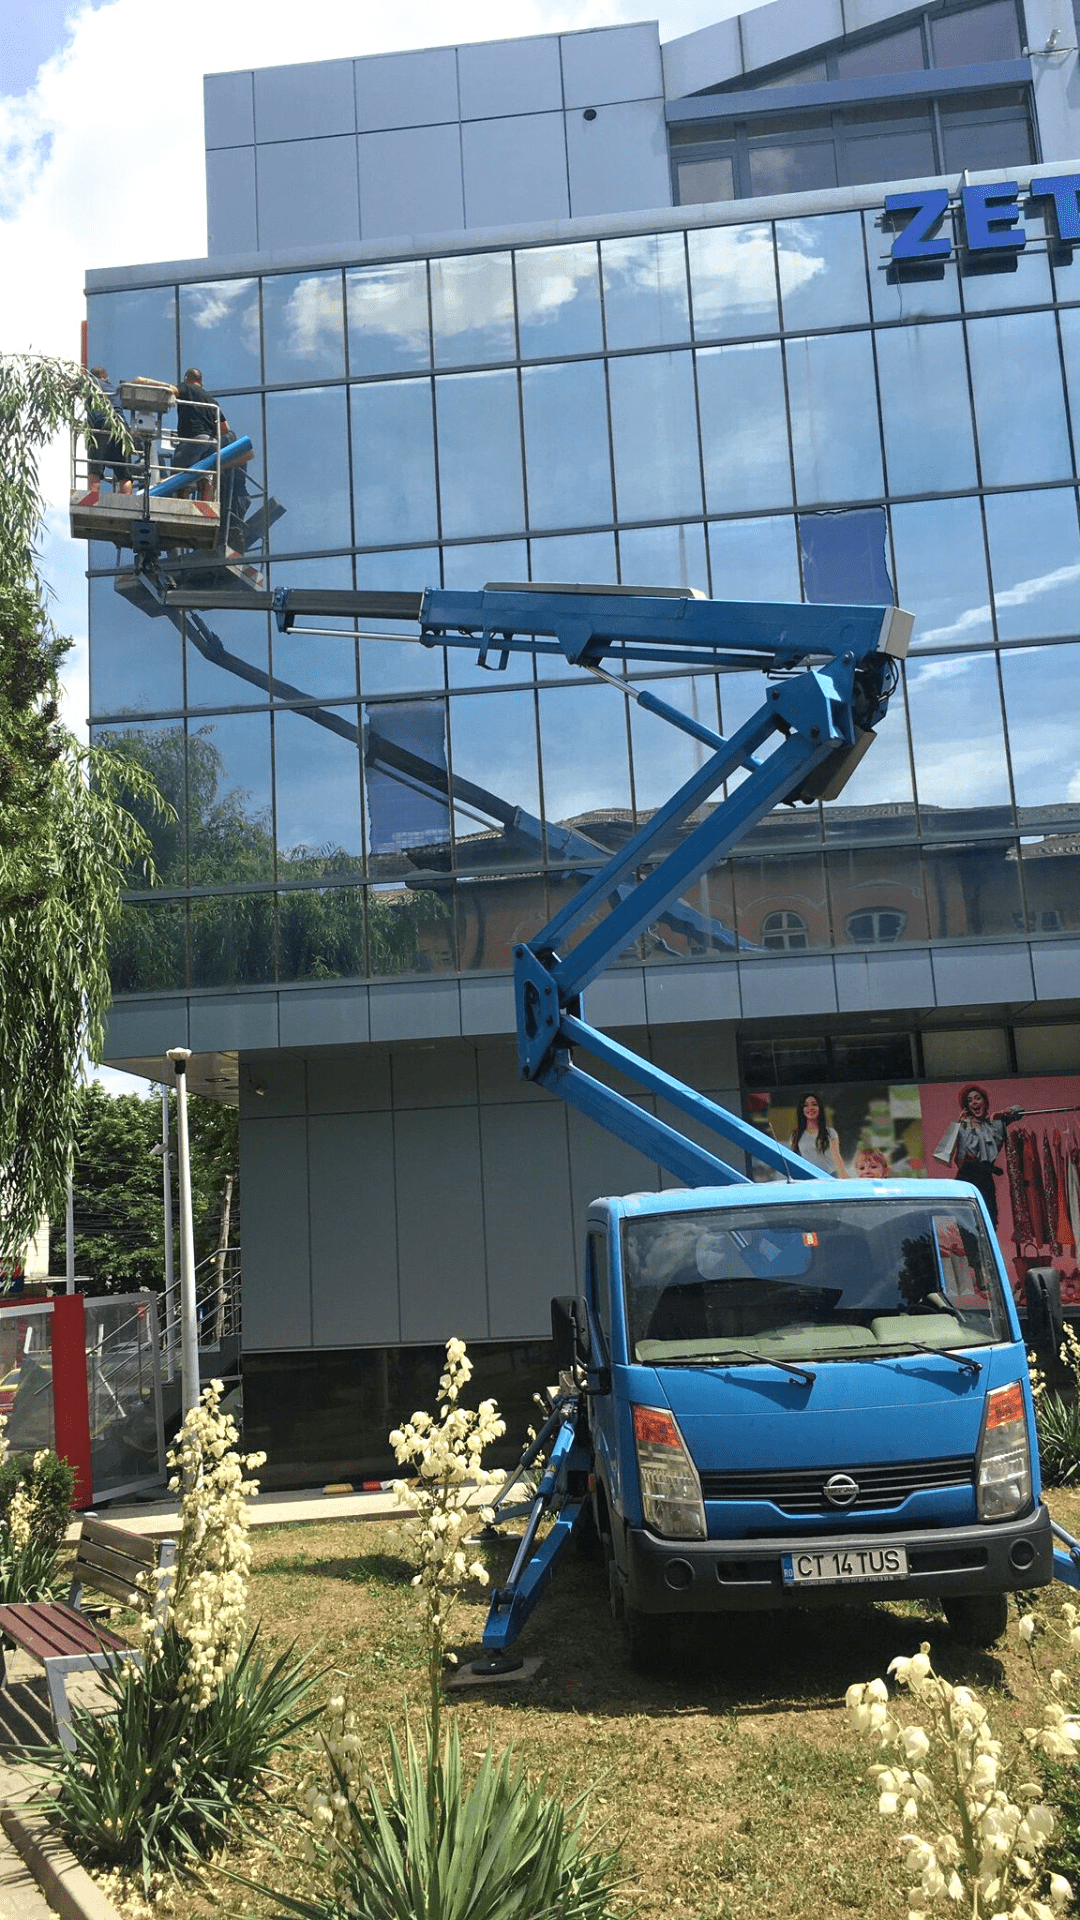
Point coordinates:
pixel 112 1561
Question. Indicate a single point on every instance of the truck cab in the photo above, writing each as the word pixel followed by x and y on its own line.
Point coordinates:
pixel 797 1396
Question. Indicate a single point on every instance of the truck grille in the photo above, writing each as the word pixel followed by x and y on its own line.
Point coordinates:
pixel 802 1489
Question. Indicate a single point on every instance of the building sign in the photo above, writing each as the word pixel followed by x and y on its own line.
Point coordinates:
pixel 990 215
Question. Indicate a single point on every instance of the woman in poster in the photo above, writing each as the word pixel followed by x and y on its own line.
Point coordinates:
pixel 978 1142
pixel 813 1139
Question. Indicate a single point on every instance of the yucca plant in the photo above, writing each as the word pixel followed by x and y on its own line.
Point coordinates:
pixel 156 1783
pixel 1058 1425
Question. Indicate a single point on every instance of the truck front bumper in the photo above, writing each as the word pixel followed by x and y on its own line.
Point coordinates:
pixel 718 1576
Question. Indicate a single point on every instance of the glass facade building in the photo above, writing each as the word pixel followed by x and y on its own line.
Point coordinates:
pixel 745 395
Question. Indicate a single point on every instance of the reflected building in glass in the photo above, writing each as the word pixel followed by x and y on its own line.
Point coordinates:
pixel 663 329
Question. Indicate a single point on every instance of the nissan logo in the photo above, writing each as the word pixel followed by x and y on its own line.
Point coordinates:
pixel 841 1490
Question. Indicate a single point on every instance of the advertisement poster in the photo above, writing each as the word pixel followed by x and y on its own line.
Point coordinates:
pixel 1016 1141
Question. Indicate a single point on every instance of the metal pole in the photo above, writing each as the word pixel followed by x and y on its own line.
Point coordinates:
pixel 170 1275
pixel 69 1237
pixel 189 1337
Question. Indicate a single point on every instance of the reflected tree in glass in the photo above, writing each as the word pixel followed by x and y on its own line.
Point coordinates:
pixel 321 933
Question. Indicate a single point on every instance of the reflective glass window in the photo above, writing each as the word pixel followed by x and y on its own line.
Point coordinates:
pixel 878 799
pixel 465 569
pixel 479 454
pixel 232 940
pixel 1034 562
pixel 896 152
pixel 941 572
pixel 976 136
pixel 664 557
pixel 321 933
pixel 664 758
pixel 472 309
pixel 700 925
pixel 973 890
pixel 576 557
pixel 410 930
pixel 822 272
pixel 698 182
pixel 219 332
pixel 586 766
pixel 844 558
pixel 491 923
pixel 317 793
pixel 307 469
pixel 496 783
pixel 925 412
pixel 158 748
pixel 900 52
pixel 393 451
pixel 754 559
pixel 558 298
pixel 399 664
pixel 230 805
pixel 405 776
pixel 312 665
pixel 782 902
pixel 834 419
pixel 243 413
pixel 959 743
pixel 147 948
pixel 387 311
pixel 733 281
pixel 744 427
pixel 133 333
pixel 1042 716
pixel 215 674
pixel 1018 280
pixel 1069 323
pixel 915 290
pixel 878 900
pixel 988 32
pixel 801 164
pixel 645 299
pixel 303 327
pixel 567 458
pixel 1051 882
pixel 654 425
pixel 136 664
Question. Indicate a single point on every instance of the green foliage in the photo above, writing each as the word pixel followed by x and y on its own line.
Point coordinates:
pixel 425 1846
pixel 1057 1422
pixel 157 1784
pixel 119 1219
pixel 68 840
pixel 50 1484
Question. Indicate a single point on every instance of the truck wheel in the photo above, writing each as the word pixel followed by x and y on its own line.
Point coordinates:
pixel 979 1619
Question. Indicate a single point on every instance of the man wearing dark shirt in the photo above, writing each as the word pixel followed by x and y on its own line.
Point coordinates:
pixel 198 425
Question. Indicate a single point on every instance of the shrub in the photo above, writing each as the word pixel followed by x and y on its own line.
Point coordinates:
pixel 35 1506
pixel 1057 1423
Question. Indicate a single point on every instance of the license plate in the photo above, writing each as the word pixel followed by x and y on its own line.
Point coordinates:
pixel 839 1566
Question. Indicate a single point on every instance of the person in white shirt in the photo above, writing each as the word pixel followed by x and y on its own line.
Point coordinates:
pixel 813 1139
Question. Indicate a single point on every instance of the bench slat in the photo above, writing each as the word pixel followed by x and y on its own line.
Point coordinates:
pixel 45 1629
pixel 134 1546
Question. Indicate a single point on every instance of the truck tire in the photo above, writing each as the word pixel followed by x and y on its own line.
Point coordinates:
pixel 979 1619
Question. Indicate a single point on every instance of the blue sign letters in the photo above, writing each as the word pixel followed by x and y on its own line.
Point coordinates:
pixel 991 217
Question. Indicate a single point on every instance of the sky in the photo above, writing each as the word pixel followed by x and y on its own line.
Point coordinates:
pixel 101 162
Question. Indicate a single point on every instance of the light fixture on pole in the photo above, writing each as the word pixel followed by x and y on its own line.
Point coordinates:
pixel 189 1335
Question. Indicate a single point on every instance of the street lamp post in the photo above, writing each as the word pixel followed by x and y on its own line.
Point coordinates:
pixel 189 1336
pixel 164 1152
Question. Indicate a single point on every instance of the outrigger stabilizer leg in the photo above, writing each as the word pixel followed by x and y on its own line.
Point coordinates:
pixel 562 1494
pixel 1066 1565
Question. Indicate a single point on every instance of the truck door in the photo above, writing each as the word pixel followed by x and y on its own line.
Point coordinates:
pixel 601 1409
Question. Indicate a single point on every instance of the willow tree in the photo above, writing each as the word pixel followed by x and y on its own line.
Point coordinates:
pixel 68 841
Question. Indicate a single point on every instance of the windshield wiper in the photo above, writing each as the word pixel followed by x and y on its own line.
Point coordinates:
pixel 962 1360
pixel 805 1374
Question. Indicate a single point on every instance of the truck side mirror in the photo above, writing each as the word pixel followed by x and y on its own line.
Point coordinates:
pixel 1045 1320
pixel 570 1335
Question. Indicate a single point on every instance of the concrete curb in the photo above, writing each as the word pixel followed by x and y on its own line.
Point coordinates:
pixel 66 1886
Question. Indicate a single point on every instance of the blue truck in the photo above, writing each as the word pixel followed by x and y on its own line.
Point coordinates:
pixel 771 1393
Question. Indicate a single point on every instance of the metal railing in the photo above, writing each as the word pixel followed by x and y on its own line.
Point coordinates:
pixel 217 1308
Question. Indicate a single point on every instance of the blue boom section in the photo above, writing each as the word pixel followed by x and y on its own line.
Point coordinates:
pixel 228 457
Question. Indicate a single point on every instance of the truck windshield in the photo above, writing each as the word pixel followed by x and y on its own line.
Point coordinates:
pixel 812 1281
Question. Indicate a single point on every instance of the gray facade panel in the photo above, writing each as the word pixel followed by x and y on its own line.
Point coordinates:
pixel 307 192
pixel 788 27
pixel 229 109
pixel 136 1028
pixel 277 1265
pixel 1057 970
pixel 410 182
pixel 400 1012
pixel 305 102
pixel 443 1076
pixel 231 208
pixel 225 1022
pixel 349 1080
pixel 487 1006
pixel 692 993
pixel 525 1157
pixel 509 76
pixel 702 59
pixel 406 89
pixel 775 988
pixel 704 1057
pixel 869 981
pixel 440 1225
pixel 860 14
pixel 354 1286
pixel 515 170
pixel 323 1016
pixel 272 1084
pixel 618 999
pixel 619 161
pixel 499 1079
pixel 613 63
pixel 600 1164
pixel 983 975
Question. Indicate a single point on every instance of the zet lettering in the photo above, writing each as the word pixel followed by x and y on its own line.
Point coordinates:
pixel 991 217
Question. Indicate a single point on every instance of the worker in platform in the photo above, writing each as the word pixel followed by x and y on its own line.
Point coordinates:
pixel 104 450
pixel 199 422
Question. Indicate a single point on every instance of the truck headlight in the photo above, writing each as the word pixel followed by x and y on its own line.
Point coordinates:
pixel 670 1489
pixel 1003 1479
